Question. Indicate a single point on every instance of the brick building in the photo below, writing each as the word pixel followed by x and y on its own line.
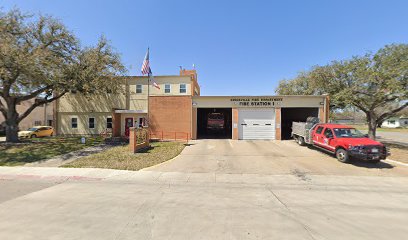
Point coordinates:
pixel 177 107
pixel 40 116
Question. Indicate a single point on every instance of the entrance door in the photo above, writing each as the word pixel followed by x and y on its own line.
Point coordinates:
pixel 128 124
pixel 256 123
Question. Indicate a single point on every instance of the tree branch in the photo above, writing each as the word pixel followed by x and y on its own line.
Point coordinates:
pixel 3 109
pixel 390 113
pixel 38 103
pixel 360 107
pixel 32 95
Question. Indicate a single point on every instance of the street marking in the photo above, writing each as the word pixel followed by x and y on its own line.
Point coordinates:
pixel 397 162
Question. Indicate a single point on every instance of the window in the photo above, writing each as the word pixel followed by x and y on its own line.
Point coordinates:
pixel 139 88
pixel 74 122
pixel 167 88
pixel 109 122
pixel 328 133
pixel 183 88
pixel 391 122
pixel 37 123
pixel 319 130
pixel 91 122
pixel 347 133
pixel 49 122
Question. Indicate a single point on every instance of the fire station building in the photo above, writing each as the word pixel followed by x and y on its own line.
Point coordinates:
pixel 178 108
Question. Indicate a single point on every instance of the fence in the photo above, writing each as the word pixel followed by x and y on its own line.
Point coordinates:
pixel 169 136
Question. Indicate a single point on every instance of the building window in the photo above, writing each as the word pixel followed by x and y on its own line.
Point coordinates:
pixel 183 88
pixel 49 122
pixel 37 123
pixel 139 88
pixel 74 122
pixel 109 122
pixel 167 88
pixel 91 122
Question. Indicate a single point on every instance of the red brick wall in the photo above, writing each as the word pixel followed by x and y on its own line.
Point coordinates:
pixel 278 123
pixel 235 121
pixel 194 124
pixel 171 114
pixel 322 114
pixel 116 126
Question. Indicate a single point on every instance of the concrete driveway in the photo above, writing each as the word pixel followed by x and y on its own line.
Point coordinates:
pixel 268 158
pixel 216 189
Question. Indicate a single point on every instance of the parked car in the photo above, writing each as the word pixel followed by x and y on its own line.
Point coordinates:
pixel 345 142
pixel 215 121
pixel 36 131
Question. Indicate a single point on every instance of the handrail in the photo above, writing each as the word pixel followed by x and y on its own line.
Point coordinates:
pixel 162 135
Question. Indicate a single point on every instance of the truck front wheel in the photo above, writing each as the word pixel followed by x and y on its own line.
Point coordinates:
pixel 342 155
pixel 301 141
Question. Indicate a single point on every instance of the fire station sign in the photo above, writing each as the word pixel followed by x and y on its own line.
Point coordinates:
pixel 257 101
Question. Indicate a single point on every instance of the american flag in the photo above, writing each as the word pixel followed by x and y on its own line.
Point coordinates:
pixel 147 71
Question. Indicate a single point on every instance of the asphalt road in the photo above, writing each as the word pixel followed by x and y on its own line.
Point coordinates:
pixel 400 138
pixel 396 137
pixel 260 196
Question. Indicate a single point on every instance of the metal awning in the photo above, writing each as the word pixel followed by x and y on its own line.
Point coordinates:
pixel 130 111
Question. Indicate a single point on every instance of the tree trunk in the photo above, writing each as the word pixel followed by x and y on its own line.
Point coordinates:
pixel 12 123
pixel 372 126
pixel 12 132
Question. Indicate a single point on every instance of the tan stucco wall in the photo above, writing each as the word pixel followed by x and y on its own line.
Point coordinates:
pixel 77 103
pixel 65 123
pixel 287 101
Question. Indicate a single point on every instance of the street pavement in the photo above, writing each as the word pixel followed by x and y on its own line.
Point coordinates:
pixel 393 137
pixel 265 197
pixel 400 138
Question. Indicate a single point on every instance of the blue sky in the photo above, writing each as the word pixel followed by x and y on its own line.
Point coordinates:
pixel 238 47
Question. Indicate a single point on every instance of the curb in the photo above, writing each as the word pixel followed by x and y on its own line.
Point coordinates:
pixel 397 162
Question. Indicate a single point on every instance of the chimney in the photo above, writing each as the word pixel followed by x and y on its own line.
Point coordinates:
pixel 192 73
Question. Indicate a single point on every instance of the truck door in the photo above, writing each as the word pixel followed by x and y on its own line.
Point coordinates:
pixel 328 139
pixel 317 135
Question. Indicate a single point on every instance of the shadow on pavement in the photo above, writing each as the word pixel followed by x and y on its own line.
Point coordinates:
pixel 379 165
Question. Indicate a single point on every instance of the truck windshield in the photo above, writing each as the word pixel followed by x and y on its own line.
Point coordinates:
pixel 347 133
pixel 216 116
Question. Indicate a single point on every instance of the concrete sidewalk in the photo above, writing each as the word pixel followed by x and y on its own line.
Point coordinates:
pixel 68 157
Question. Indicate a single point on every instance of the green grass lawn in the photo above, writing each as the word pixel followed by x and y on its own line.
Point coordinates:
pixel 32 150
pixel 121 158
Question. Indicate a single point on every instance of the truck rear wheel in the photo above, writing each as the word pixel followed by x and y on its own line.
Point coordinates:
pixel 301 141
pixel 342 155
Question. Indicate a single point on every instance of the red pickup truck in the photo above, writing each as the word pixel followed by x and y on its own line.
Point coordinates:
pixel 345 142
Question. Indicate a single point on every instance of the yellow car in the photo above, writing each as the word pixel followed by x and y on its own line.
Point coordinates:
pixel 36 131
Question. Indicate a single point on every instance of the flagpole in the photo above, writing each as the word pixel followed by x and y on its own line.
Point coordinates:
pixel 148 96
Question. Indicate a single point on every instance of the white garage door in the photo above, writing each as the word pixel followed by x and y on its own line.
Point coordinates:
pixel 256 123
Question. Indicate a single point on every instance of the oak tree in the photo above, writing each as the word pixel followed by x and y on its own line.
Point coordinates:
pixel 41 59
pixel 376 83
